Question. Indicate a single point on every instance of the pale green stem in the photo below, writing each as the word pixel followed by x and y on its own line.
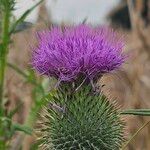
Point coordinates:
pixel 3 53
pixel 139 112
pixel 3 58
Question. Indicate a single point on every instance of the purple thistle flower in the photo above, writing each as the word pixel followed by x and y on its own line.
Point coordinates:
pixel 79 50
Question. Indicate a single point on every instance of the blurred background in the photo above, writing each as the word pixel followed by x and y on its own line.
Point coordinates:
pixel 130 86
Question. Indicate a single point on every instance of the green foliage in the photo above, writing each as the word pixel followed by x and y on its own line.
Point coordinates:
pixel 81 120
pixel 12 128
pixel 139 112
pixel 7 5
pixel 8 26
pixel 22 128
pixel 23 17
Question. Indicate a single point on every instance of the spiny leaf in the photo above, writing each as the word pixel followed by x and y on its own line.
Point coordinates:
pixel 22 18
pixel 15 110
pixel 22 26
pixel 139 112
pixel 22 128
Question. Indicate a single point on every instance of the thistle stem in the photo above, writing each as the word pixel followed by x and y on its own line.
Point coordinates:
pixel 3 56
pixel 3 52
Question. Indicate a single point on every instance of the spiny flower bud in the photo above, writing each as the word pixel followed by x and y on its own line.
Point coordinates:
pixel 89 122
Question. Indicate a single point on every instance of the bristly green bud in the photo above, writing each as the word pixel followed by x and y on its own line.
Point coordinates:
pixel 82 120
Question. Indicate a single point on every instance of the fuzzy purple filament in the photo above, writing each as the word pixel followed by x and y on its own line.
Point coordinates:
pixel 69 52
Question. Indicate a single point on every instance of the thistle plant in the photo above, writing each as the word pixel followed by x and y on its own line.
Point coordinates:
pixel 79 115
pixel 8 27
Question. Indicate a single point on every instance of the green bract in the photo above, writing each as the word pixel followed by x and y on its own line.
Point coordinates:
pixel 82 120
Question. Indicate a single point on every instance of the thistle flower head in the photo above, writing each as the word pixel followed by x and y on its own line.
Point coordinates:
pixel 79 50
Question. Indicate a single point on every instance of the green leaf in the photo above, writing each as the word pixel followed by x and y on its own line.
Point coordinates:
pixel 22 26
pixel 85 20
pixel 139 112
pixel 22 18
pixel 31 75
pixel 22 128
pixel 15 110
pixel 18 70
pixel 1 50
